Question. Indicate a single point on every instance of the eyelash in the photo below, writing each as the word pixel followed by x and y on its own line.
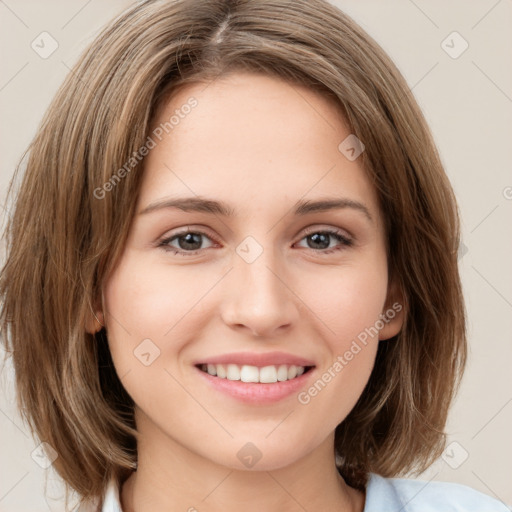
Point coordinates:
pixel 345 242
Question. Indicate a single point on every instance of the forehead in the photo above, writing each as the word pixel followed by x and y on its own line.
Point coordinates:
pixel 252 140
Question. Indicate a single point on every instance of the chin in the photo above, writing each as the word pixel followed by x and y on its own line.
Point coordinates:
pixel 259 454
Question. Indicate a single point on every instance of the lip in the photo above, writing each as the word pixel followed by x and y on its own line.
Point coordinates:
pixel 256 359
pixel 256 393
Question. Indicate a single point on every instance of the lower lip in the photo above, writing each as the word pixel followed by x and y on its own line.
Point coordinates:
pixel 256 392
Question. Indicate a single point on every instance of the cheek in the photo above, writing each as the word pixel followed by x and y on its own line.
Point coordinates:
pixel 141 308
pixel 149 310
pixel 347 306
pixel 148 300
pixel 340 382
pixel 348 300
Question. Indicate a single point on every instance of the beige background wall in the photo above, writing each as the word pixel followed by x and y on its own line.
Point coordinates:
pixel 467 99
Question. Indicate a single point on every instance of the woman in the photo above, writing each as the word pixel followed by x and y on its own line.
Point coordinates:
pixel 254 369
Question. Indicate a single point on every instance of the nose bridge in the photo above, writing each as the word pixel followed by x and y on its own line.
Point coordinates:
pixel 260 275
pixel 259 297
pixel 258 270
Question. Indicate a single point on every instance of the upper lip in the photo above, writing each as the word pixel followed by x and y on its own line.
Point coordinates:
pixel 257 359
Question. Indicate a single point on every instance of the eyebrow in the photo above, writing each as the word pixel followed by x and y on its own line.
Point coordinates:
pixel 302 207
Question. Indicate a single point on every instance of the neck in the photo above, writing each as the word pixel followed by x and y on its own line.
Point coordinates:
pixel 172 478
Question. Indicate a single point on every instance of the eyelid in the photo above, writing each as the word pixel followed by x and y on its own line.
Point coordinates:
pixel 183 231
pixel 319 229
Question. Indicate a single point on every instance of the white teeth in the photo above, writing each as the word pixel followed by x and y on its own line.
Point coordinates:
pixel 292 372
pixel 282 373
pixel 233 372
pixel 268 374
pixel 221 371
pixel 248 373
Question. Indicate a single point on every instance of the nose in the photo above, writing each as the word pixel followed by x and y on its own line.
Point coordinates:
pixel 259 296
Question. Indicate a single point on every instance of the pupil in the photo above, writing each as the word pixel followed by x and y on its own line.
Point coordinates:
pixel 318 237
pixel 189 240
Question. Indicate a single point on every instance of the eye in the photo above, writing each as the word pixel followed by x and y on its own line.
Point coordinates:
pixel 189 242
pixel 320 239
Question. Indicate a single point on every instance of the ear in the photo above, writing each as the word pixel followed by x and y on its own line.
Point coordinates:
pixel 394 311
pixel 95 320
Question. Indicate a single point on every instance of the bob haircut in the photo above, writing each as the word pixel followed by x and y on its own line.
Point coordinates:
pixel 65 235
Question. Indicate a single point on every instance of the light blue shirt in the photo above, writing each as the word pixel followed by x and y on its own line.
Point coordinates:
pixel 409 495
pixel 385 495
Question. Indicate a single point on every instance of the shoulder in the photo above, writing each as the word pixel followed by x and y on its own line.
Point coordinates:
pixel 409 495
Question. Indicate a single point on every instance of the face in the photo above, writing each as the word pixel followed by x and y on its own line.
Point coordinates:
pixel 267 273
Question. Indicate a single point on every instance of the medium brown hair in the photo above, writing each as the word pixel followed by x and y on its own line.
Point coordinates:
pixel 63 241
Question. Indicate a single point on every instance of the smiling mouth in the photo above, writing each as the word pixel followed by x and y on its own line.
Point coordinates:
pixel 248 373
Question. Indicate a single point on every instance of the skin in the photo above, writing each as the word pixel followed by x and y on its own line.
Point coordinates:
pixel 258 144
